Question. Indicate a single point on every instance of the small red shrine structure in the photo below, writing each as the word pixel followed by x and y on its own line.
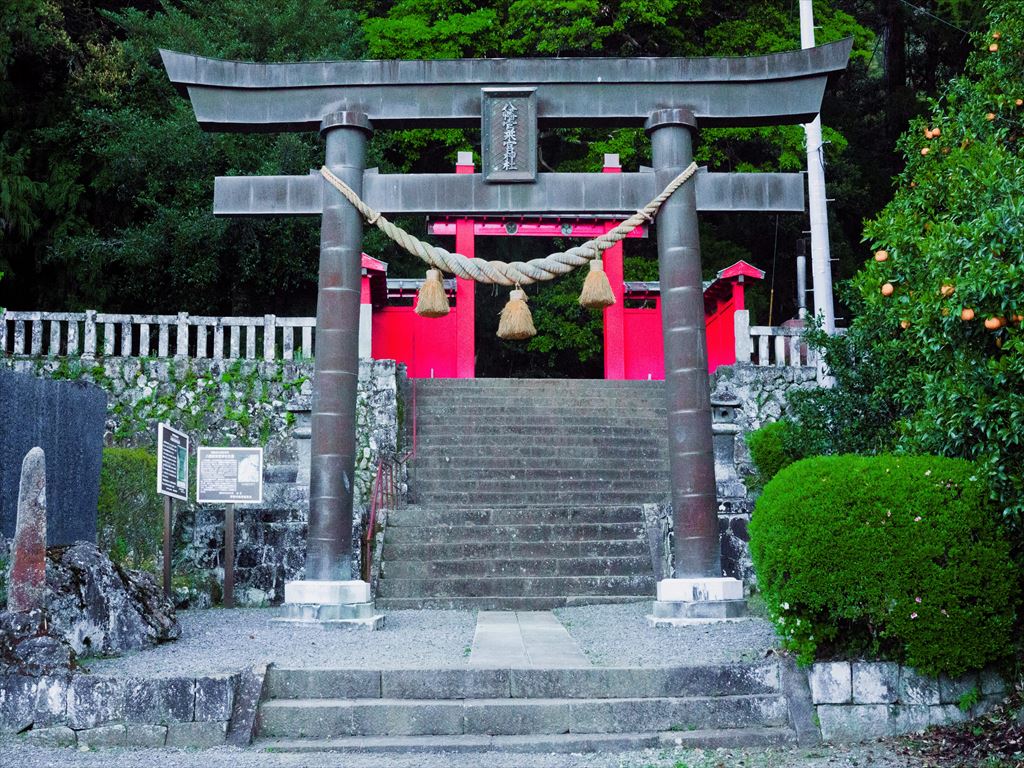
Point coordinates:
pixel 446 347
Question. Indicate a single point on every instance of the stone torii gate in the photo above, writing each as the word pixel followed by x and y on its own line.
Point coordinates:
pixel 347 100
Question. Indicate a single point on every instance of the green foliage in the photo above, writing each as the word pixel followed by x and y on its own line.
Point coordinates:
pixel 858 413
pixel 913 375
pixel 893 557
pixel 130 523
pixel 770 450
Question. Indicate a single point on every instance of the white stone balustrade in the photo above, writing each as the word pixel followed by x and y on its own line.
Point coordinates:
pixel 764 345
pixel 91 334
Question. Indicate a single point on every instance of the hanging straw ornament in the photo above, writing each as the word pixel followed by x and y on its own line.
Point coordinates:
pixel 432 301
pixel 597 291
pixel 516 322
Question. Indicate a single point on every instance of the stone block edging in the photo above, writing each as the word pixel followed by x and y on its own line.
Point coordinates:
pixel 862 700
pixel 96 710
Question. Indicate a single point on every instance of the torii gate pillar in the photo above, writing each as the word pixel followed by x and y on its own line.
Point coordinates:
pixel 328 592
pixel 699 592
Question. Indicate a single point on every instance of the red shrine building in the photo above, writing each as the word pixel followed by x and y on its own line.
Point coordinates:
pixel 390 329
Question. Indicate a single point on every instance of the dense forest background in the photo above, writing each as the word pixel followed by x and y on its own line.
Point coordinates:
pixel 106 181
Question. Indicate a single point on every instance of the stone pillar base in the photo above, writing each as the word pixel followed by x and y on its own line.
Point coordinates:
pixel 329 603
pixel 682 602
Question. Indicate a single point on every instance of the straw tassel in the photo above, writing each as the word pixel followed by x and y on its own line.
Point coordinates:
pixel 516 322
pixel 597 291
pixel 432 301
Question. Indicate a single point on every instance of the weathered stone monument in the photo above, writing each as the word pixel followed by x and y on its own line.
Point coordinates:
pixel 66 419
pixel 347 100
pixel 27 590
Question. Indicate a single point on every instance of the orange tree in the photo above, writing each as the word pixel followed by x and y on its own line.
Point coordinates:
pixel 941 301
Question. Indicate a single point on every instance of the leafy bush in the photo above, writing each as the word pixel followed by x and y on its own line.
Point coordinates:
pixel 893 557
pixel 769 449
pixel 130 521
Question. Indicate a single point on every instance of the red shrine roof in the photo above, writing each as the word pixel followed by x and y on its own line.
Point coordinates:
pixel 638 289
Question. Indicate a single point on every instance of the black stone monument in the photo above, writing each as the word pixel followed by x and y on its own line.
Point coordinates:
pixel 65 419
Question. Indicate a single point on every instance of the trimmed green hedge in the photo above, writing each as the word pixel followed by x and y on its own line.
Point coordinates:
pixel 897 557
pixel 768 449
pixel 130 520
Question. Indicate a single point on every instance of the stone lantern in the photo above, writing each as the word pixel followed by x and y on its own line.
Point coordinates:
pixel 724 408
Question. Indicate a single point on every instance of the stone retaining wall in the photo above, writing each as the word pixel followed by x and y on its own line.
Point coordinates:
pixel 95 711
pixel 863 700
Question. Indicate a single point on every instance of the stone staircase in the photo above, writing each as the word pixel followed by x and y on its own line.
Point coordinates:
pixel 526 495
pixel 535 710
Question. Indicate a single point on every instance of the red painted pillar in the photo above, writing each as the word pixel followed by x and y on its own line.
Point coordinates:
pixel 737 294
pixel 465 290
pixel 615 315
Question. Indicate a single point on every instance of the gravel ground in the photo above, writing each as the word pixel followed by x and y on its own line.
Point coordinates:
pixel 218 641
pixel 619 635
pixel 881 755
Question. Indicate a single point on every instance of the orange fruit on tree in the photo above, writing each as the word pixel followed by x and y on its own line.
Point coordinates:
pixel 1019 102
pixel 904 324
pixel 946 291
pixel 990 116
pixel 925 150
pixel 887 289
pixel 994 323
pixel 967 314
pixel 994 47
pixel 927 133
pixel 881 255
pixel 996 35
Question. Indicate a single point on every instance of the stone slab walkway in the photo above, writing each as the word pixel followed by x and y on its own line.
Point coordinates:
pixel 524 639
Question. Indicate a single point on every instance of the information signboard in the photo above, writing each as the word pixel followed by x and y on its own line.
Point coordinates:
pixel 229 476
pixel 171 462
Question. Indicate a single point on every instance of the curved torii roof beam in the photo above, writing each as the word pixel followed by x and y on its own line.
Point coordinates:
pixel 774 89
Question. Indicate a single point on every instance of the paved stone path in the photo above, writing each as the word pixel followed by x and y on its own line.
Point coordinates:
pixel 523 639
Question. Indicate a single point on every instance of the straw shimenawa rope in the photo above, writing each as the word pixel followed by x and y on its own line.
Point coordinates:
pixel 511 272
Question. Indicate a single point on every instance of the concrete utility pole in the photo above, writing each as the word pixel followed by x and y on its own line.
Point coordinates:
pixel 821 265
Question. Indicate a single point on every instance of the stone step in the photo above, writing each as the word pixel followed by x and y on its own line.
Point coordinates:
pixel 516 586
pixel 427 385
pixel 522 451
pixel 640 430
pixel 497 463
pixel 570 743
pixel 532 409
pixel 413 516
pixel 547 532
pixel 652 495
pixel 503 603
pixel 552 480
pixel 326 718
pixel 740 679
pixel 513 454
pixel 559 566
pixel 567 418
pixel 416 549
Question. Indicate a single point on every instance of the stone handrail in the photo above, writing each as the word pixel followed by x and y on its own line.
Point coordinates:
pixel 91 334
pixel 764 345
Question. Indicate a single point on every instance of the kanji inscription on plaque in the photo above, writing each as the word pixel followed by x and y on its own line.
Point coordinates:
pixel 509 134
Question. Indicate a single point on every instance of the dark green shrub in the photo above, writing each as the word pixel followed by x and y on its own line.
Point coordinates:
pixel 897 557
pixel 768 449
pixel 130 523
